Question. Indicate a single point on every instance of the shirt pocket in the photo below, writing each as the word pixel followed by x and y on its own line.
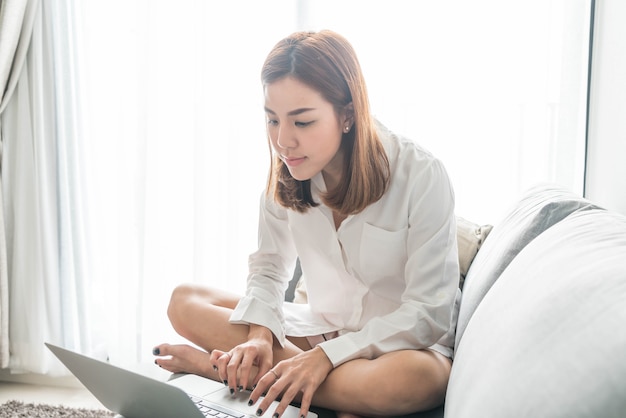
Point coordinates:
pixel 382 253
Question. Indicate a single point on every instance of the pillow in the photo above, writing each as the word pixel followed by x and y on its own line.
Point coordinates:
pixel 539 208
pixel 470 237
pixel 548 339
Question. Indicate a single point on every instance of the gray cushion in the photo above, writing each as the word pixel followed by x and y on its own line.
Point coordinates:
pixel 539 208
pixel 549 338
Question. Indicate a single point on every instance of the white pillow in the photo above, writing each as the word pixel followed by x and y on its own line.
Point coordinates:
pixel 549 339
pixel 539 208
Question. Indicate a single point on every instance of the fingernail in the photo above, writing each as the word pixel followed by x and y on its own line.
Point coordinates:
pixel 259 412
pixel 225 382
pixel 215 368
pixel 275 415
pixel 240 388
pixel 156 351
pixel 232 391
pixel 250 402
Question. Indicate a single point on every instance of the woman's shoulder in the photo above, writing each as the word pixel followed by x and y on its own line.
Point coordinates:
pixel 402 150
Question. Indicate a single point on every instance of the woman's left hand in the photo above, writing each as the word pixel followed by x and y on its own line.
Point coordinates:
pixel 303 374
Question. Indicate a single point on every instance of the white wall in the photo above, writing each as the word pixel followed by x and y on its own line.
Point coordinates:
pixel 606 165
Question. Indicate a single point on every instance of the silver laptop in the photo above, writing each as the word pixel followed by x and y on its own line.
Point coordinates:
pixel 133 395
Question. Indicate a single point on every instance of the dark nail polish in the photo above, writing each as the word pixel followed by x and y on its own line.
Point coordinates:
pixel 250 402
pixel 232 391
pixel 240 388
pixel 275 415
pixel 215 368
pixel 156 351
pixel 225 382
pixel 259 412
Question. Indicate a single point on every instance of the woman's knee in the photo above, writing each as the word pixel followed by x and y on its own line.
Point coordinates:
pixel 182 300
pixel 178 300
pixel 190 300
pixel 416 381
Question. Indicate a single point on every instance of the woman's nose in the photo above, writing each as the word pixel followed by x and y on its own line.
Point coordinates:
pixel 285 138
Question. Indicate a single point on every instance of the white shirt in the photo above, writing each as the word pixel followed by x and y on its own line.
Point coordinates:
pixel 387 279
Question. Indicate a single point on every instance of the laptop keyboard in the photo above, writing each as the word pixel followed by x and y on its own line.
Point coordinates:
pixel 209 409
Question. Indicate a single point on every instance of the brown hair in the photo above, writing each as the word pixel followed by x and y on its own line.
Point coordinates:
pixel 326 62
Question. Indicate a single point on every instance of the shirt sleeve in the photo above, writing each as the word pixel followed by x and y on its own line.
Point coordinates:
pixel 431 275
pixel 270 269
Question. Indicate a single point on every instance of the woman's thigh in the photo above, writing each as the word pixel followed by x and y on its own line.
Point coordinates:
pixel 201 315
pixel 395 383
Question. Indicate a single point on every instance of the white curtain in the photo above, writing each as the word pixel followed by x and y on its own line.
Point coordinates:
pixel 153 178
pixel 43 198
pixel 177 150
pixel 16 21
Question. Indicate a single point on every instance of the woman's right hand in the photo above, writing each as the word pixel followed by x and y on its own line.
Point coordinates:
pixel 245 364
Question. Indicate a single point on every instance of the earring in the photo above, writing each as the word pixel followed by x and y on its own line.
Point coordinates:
pixel 347 129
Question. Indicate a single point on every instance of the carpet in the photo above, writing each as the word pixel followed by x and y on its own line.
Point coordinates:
pixel 16 409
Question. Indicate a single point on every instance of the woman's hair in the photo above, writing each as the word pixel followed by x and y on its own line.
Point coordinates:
pixel 326 62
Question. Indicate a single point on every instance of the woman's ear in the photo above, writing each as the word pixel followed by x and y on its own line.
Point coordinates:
pixel 348 115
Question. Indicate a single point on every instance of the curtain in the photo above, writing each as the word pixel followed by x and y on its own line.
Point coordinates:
pixel 16 21
pixel 42 178
pixel 178 151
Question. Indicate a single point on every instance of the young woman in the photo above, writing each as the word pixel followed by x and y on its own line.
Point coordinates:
pixel 370 216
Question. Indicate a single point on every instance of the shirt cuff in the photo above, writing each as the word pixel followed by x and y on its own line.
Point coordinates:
pixel 251 310
pixel 341 349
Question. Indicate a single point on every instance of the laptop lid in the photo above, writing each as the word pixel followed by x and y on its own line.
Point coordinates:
pixel 134 395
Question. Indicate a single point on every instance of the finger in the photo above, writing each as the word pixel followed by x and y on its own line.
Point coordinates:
pixel 213 359
pixel 233 370
pixel 305 403
pixel 275 386
pixel 246 369
pixel 263 367
pixel 227 365
pixel 288 395
pixel 266 380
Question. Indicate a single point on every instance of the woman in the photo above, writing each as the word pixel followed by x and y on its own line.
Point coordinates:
pixel 370 216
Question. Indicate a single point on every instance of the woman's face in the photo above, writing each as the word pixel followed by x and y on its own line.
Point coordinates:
pixel 304 130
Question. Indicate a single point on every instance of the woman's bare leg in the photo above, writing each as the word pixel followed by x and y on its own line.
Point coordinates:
pixel 395 383
pixel 200 315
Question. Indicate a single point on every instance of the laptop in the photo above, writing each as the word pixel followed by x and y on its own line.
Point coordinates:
pixel 133 395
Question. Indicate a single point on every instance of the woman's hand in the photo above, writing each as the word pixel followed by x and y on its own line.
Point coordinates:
pixel 236 367
pixel 303 373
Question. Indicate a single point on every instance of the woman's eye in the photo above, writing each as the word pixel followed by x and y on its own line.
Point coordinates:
pixel 272 122
pixel 303 124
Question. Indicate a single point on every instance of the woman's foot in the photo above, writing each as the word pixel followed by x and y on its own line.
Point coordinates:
pixel 183 359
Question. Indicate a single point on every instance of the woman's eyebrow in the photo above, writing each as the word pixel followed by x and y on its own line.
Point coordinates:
pixel 291 113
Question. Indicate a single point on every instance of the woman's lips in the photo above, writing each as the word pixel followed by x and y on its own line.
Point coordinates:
pixel 293 162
